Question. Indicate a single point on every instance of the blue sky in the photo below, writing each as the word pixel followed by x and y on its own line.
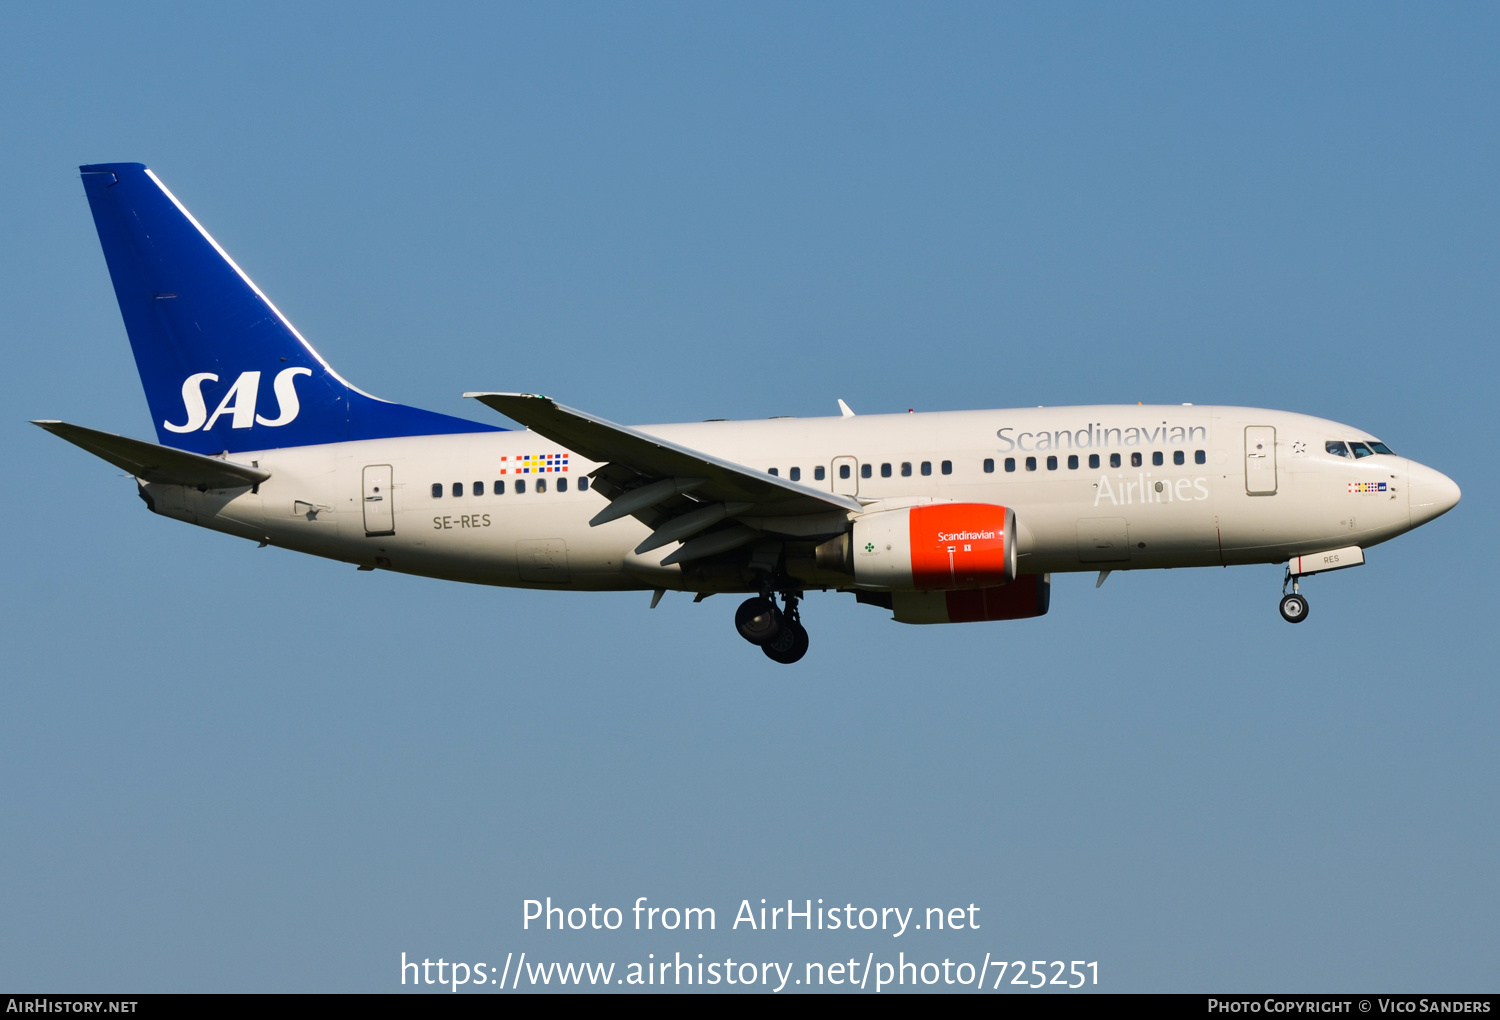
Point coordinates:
pixel 237 769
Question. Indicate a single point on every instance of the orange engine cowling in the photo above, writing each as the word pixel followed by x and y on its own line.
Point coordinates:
pixel 939 546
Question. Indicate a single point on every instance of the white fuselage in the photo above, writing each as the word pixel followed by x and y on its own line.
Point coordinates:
pixel 1253 486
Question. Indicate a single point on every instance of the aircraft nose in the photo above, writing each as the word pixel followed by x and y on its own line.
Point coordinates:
pixel 1432 493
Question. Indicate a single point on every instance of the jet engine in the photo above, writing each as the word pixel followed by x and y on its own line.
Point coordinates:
pixel 938 546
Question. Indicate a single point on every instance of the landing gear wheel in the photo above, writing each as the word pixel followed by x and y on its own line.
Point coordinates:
pixel 1293 608
pixel 788 646
pixel 758 620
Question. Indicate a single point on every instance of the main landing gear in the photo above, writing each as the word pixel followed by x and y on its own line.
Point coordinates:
pixel 1293 606
pixel 778 632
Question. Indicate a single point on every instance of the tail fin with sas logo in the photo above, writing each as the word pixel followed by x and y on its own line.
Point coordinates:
pixel 223 369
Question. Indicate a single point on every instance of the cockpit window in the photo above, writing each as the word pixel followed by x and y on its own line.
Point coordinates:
pixel 1336 448
pixel 1361 450
pixel 1382 448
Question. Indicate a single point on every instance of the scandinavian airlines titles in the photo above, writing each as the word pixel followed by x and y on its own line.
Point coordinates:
pixel 1096 435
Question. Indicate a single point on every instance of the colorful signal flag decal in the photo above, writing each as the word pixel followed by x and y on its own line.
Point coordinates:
pixel 541 464
pixel 1367 487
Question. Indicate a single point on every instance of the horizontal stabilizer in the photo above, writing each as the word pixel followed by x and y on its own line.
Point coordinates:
pixel 153 463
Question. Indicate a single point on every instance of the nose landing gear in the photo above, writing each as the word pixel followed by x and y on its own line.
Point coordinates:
pixel 1293 606
pixel 778 632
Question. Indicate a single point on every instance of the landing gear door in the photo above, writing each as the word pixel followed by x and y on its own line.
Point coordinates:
pixel 380 508
pixel 846 476
pixel 1260 460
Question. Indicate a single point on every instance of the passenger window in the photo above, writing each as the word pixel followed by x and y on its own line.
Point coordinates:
pixel 1114 460
pixel 1336 448
pixel 795 474
pixel 1072 462
pixel 479 488
pixel 1200 457
pixel 818 472
pixel 843 470
pixel 864 471
pixel 1381 448
pixel 437 490
pixel 1156 458
pixel 1051 463
pixel 1010 463
pixel 1030 463
pixel 499 488
pixel 1135 460
pixel 927 467
pixel 773 471
pixel 541 485
pixel 1093 460
pixel 947 467
pixel 1360 450
pixel 583 484
pixel 885 471
pixel 520 486
pixel 458 488
pixel 562 484
pixel 906 469
pixel 989 465
pixel 1179 457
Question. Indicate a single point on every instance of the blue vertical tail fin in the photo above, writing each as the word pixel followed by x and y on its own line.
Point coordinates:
pixel 223 369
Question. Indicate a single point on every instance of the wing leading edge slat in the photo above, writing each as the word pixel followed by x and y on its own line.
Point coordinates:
pixel 654 458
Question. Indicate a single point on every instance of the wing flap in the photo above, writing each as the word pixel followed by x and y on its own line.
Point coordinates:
pixel 153 463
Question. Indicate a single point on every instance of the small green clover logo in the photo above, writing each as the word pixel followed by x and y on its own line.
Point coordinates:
pixel 869 547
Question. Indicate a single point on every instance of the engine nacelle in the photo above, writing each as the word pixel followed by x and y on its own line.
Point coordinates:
pixel 938 546
pixel 1027 596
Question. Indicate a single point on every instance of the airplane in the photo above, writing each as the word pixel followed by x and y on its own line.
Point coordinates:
pixel 940 517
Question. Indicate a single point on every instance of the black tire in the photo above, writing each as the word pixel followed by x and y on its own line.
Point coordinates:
pixel 1294 608
pixel 788 646
pixel 758 620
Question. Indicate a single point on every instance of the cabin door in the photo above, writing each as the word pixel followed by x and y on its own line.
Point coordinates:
pixel 1260 460
pixel 380 508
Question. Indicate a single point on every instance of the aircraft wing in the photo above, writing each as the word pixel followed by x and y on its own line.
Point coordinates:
pixel 154 463
pixel 676 490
